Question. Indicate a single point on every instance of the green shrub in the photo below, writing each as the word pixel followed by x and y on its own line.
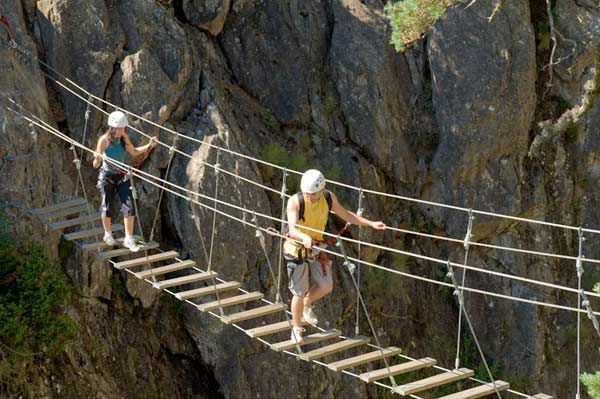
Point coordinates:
pixel 411 19
pixel 592 383
pixel 33 289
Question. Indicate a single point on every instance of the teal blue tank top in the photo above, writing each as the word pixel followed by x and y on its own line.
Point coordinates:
pixel 115 150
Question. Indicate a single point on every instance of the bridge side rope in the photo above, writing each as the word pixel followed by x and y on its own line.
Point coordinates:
pixel 359 212
pixel 77 163
pixel 13 45
pixel 58 134
pixel 463 282
pixel 579 269
pixel 86 118
pixel 213 232
pixel 146 176
pixel 538 253
pixel 462 309
pixel 138 217
pixel 160 195
pixel 351 268
pixel 281 231
pixel 261 239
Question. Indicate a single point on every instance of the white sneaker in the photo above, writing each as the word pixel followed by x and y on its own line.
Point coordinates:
pixel 109 239
pixel 129 243
pixel 296 336
pixel 309 316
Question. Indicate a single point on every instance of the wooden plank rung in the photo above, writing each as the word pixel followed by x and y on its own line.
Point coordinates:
pixel 190 278
pixel 479 392
pixel 173 267
pixel 63 224
pixel 59 206
pixel 102 245
pixel 434 381
pixel 396 369
pixel 309 339
pixel 146 259
pixel 65 212
pixel 253 313
pixel 231 301
pixel 125 251
pixel 211 289
pixel 78 235
pixel 271 329
pixel 363 359
pixel 542 396
pixel 343 345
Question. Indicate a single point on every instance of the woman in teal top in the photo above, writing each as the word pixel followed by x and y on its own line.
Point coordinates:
pixel 115 144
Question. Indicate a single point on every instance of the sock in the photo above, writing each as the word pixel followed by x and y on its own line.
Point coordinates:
pixel 128 237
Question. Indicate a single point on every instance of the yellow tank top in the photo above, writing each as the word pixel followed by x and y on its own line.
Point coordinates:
pixel 315 217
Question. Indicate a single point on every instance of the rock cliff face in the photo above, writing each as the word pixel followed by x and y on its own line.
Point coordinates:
pixel 453 119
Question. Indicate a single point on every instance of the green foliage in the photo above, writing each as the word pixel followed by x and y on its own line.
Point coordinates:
pixel 33 289
pixel 592 383
pixel 269 120
pixel 411 19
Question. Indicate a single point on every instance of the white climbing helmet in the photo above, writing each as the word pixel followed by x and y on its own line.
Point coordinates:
pixel 117 119
pixel 312 181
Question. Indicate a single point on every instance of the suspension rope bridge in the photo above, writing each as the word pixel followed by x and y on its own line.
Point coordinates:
pixel 78 206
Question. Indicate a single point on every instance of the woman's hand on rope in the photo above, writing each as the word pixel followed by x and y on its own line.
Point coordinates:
pixel 153 142
pixel 378 225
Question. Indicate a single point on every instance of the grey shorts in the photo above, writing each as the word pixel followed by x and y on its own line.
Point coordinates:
pixel 306 275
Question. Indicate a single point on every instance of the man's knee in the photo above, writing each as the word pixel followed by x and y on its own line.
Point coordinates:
pixel 327 288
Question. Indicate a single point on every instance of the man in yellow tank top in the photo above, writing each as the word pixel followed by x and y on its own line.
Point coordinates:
pixel 309 280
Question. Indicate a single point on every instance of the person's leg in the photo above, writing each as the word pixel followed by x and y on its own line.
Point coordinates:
pixel 298 285
pixel 322 282
pixel 127 208
pixel 297 307
pixel 128 223
pixel 107 191
pixel 107 224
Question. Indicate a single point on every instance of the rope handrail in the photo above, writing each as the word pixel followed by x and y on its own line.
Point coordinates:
pixel 147 177
pixel 272 190
pixel 254 159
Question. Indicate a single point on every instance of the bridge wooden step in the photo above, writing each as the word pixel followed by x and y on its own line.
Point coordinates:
pixel 190 278
pixel 211 289
pixel 59 206
pixel 309 339
pixel 271 329
pixel 146 259
pixel 173 267
pixel 253 313
pixel 542 396
pixel 363 359
pixel 65 212
pixel 434 381
pixel 478 392
pixel 343 345
pixel 124 251
pixel 231 301
pixel 102 245
pixel 401 368
pixel 78 235
pixel 63 224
